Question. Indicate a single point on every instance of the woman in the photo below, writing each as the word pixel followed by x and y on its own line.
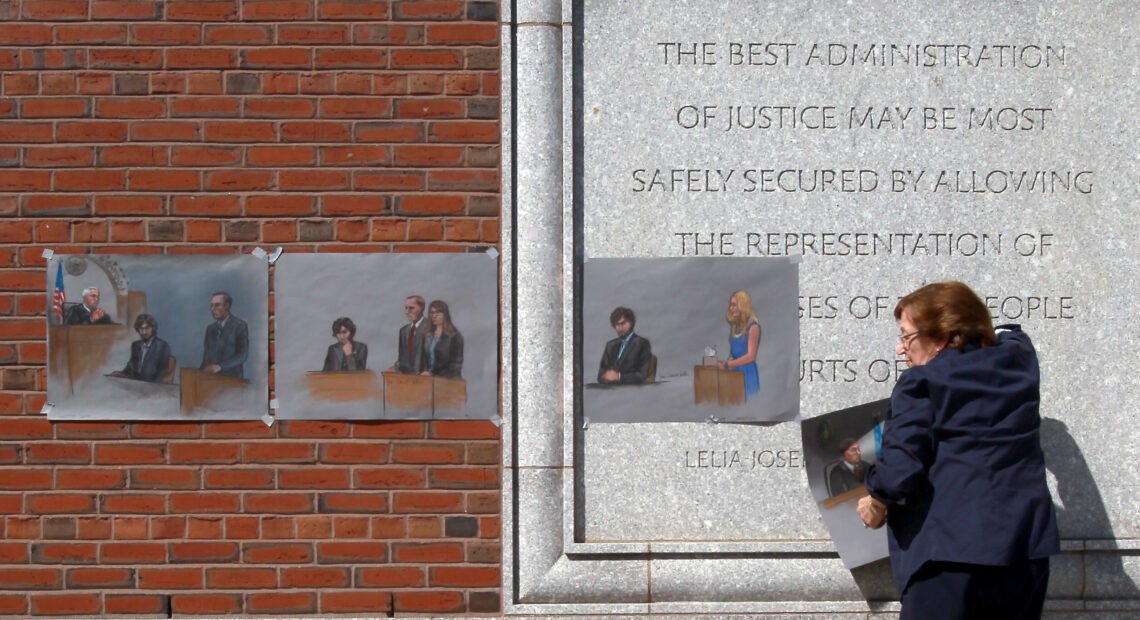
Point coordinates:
pixel 743 341
pixel 346 354
pixel 443 344
pixel 961 479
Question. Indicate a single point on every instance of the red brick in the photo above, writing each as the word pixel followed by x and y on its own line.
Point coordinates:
pixel 428 602
pixel 26 181
pixel 238 180
pixel 101 478
pixel 13 33
pixel 165 34
pixel 429 9
pixel 132 553
pixel 125 9
pixel 237 478
pixel 277 553
pixel 206 604
pixel 89 131
pixel 164 180
pixel 324 34
pixel 426 501
pixel 65 553
pixel 243 578
pixel 133 107
pixel 282 503
pixel 130 454
pixel 59 157
pixel 389 181
pixel 355 601
pixel 89 180
pixel 201 58
pixel 164 478
pixel 60 504
pixel 425 230
pixel 204 10
pixel 31 579
pixel 126 58
pixel 318 577
pixel 462 34
pixel 138 504
pixel 166 131
pixel 463 576
pixel 429 108
pixel 205 552
pixel 313 478
pixel 237 34
pixel 276 57
pixel 487 133
pixel 23 131
pixel 205 107
pixel 66 605
pixel 351 58
pixel 192 503
pixel 281 603
pixel 281 155
pixel 313 179
pixel 134 604
pixel 79 578
pixel 315 131
pixel 273 10
pixel 240 131
pixel 170 578
pixel 280 107
pixel 353 502
pixel 206 205
pixel 129 205
pixel 358 552
pixel 279 205
pixel 428 155
pixel 354 452
pixel 133 155
pixel 352 9
pixel 390 577
pixel 355 155
pixel 426 59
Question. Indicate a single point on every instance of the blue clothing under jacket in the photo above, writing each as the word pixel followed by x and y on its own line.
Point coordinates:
pixel 962 472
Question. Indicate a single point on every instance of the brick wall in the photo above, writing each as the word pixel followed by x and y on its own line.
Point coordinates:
pixel 215 126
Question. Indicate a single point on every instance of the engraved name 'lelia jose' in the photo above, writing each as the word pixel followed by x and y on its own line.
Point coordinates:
pixel 744 459
pixel 834 117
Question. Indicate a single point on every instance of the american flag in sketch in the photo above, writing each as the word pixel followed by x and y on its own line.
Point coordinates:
pixel 58 296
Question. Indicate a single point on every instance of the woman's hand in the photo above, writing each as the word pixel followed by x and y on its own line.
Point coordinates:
pixel 872 512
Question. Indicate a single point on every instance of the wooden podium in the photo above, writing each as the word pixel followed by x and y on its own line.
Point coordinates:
pixel 344 386
pixel 713 385
pixel 203 389
pixel 77 353
pixel 417 392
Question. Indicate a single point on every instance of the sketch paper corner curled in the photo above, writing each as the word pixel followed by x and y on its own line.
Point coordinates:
pixel 492 253
pixel 585 423
pixel 276 254
pixel 496 420
pixel 48 253
pixel 268 419
pixel 258 252
pixel 47 408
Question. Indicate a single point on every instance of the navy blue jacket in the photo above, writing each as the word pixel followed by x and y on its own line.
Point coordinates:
pixel 961 471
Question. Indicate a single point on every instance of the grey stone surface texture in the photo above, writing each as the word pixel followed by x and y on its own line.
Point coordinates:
pixel 885 147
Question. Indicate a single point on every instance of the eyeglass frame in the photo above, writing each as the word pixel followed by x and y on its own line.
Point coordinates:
pixel 904 339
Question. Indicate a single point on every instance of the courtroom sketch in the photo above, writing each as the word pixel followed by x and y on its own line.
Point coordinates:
pixel 689 340
pixel 430 321
pixel 154 337
pixel 838 448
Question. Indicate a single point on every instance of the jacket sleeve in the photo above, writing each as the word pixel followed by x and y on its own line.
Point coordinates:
pixel 241 347
pixel 455 356
pixel 640 369
pixel 908 442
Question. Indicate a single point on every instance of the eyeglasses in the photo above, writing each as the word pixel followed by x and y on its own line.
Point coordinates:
pixel 905 339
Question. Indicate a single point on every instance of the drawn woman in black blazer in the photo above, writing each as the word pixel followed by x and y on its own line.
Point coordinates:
pixel 443 344
pixel 346 354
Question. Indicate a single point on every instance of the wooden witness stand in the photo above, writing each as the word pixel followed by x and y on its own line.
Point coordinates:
pixel 201 389
pixel 713 385
pixel 857 493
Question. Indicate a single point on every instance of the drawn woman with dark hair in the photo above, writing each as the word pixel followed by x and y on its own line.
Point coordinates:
pixel 443 344
pixel 346 354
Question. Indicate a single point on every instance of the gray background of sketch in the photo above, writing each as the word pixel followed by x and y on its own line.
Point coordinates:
pixel 178 290
pixel 314 289
pixel 680 307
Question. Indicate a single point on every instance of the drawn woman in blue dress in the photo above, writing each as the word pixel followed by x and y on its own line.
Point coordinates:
pixel 743 341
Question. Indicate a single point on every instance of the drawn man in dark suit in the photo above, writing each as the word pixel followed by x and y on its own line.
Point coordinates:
pixel 226 345
pixel 847 473
pixel 627 357
pixel 88 312
pixel 410 343
pixel 150 355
